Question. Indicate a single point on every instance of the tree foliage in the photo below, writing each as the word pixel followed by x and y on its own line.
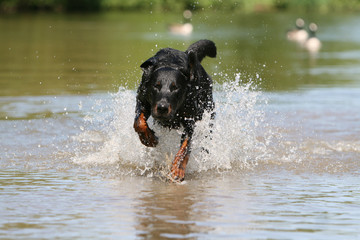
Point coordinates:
pixel 177 5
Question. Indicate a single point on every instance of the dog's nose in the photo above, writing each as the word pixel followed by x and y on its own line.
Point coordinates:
pixel 162 108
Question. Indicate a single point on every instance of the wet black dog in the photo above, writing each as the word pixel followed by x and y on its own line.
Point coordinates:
pixel 175 90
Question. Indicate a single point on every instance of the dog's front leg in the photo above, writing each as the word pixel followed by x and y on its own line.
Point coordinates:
pixel 146 135
pixel 182 157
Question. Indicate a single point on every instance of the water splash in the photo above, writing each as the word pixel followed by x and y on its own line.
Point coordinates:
pixel 250 131
pixel 239 140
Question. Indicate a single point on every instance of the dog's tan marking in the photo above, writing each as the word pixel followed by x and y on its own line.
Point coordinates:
pixel 146 135
pixel 179 164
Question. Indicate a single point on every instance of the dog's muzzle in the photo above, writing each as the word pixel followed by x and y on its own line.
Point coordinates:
pixel 162 110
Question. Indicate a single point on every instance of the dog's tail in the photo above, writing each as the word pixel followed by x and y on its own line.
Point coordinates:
pixel 202 49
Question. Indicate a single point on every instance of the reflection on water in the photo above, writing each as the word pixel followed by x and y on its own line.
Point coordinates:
pixel 283 161
pixel 168 212
pixel 247 205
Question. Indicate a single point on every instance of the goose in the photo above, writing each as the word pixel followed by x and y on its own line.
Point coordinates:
pixel 183 29
pixel 299 34
pixel 312 44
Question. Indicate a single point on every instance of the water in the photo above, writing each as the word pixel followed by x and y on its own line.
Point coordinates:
pixel 283 162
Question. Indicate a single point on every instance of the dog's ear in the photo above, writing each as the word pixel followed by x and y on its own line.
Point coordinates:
pixel 148 65
pixel 193 62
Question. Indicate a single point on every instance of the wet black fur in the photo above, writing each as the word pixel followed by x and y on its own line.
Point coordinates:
pixel 175 80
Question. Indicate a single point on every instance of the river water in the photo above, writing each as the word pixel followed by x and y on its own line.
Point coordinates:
pixel 283 161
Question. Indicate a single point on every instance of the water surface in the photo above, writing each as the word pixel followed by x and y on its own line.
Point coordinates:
pixel 283 162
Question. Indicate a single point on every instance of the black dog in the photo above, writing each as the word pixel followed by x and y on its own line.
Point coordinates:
pixel 175 90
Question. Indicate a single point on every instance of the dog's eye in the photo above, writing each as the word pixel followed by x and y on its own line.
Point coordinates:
pixel 157 86
pixel 173 87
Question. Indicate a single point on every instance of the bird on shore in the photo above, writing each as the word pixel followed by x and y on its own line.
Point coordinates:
pixel 299 34
pixel 183 29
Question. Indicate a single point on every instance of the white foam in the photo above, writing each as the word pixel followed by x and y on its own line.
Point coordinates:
pixel 234 143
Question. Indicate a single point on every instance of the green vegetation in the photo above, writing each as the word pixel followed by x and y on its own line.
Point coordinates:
pixel 10 6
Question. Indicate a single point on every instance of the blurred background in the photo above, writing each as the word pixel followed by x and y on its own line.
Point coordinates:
pixel 78 47
pixel 174 5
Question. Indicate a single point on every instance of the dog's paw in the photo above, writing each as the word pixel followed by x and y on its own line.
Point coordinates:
pixel 176 175
pixel 146 135
pixel 148 138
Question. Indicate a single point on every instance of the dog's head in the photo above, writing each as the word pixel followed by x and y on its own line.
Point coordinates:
pixel 168 77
